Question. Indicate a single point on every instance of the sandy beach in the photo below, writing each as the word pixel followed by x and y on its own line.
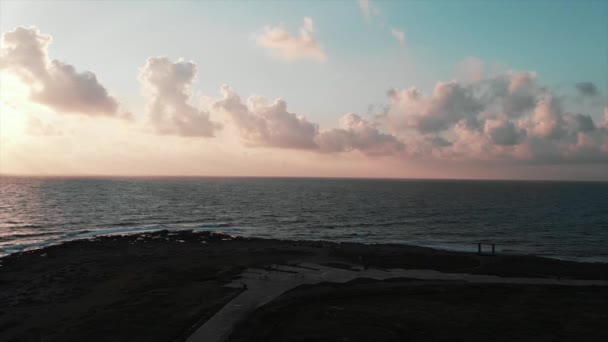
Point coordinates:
pixel 163 286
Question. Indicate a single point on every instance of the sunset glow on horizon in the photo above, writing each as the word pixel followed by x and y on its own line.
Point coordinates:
pixel 337 89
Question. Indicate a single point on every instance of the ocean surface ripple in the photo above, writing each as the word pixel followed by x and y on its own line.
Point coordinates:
pixel 566 220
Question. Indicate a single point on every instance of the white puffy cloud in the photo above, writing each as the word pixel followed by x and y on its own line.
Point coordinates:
pixel 522 94
pixel 449 103
pixel 167 85
pixel 399 35
pixel 288 46
pixel 547 120
pixel 264 123
pixel 513 93
pixel 53 83
pixel 506 117
pixel 356 133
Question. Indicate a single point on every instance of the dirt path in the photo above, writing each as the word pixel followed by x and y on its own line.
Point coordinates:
pixel 263 285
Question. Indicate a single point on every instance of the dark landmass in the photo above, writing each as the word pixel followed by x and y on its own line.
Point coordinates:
pixel 402 310
pixel 161 286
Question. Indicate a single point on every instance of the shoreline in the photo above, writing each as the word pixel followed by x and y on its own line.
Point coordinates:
pixel 159 286
pixel 135 230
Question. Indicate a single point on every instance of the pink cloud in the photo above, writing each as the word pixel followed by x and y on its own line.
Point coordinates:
pixel 53 83
pixel 167 85
pixel 356 133
pixel 547 119
pixel 507 117
pixel 449 103
pixel 288 46
pixel 264 123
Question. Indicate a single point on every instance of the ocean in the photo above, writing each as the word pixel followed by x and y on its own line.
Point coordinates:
pixel 566 220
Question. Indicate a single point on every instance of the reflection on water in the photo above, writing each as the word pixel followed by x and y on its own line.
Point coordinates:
pixel 560 219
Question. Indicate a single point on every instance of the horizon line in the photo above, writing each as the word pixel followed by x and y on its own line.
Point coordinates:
pixel 300 177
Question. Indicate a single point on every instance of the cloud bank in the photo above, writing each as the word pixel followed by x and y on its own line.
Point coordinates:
pixel 288 46
pixel 264 123
pixel 53 83
pixel 508 117
pixel 505 118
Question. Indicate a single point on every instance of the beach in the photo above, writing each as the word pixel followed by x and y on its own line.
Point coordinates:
pixel 163 286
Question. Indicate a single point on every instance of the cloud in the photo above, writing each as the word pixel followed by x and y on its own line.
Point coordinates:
pixel 355 133
pixel 449 103
pixel 583 123
pixel 53 83
pixel 512 93
pixel 288 46
pixel 503 132
pixel 264 123
pixel 547 120
pixel 522 95
pixel 586 89
pixel 506 117
pixel 590 145
pixel 399 35
pixel 368 9
pixel 167 85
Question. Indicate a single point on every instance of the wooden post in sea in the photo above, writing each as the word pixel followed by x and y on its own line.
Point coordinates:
pixel 479 248
pixel 493 249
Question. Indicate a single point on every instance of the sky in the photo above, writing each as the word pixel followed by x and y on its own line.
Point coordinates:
pixel 399 89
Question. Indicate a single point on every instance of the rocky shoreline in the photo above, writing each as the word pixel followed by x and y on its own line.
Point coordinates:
pixel 161 286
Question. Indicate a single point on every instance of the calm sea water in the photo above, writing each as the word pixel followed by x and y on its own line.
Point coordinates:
pixel 556 219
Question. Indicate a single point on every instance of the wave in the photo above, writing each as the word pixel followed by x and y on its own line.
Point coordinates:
pixel 22 236
pixel 19 242
pixel 23 241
